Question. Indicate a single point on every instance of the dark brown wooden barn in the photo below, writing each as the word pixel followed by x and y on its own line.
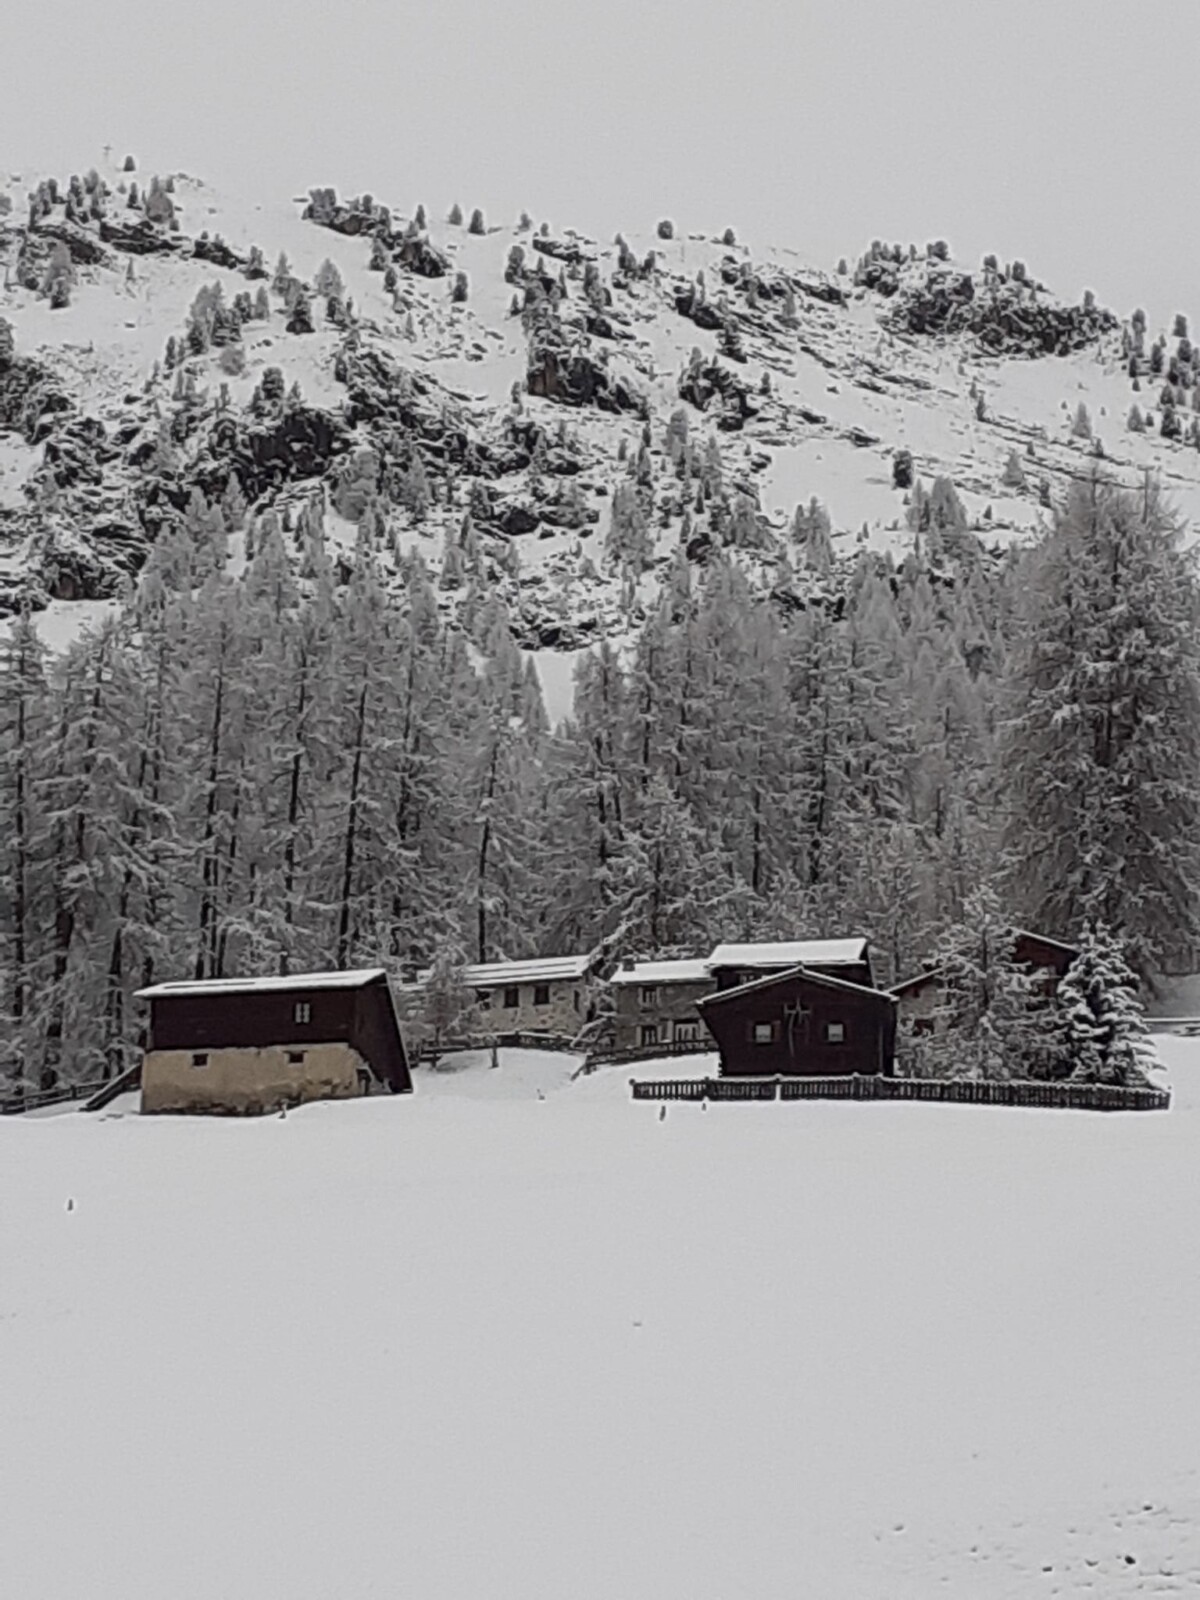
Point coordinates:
pixel 250 1044
pixel 1046 960
pixel 802 1024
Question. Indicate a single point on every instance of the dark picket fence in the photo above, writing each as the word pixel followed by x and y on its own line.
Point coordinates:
pixel 34 1099
pixel 1057 1096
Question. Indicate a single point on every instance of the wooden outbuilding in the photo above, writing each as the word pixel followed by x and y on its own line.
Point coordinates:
pixel 1046 960
pixel 248 1045
pixel 802 1024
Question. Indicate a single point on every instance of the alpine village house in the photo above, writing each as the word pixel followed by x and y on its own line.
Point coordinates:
pixel 250 1045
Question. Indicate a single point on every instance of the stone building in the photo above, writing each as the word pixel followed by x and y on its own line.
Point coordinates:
pixel 656 1003
pixel 550 994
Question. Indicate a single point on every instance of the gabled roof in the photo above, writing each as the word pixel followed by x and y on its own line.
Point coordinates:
pixel 791 953
pixel 920 979
pixel 356 979
pixel 1041 938
pixel 541 969
pixel 723 996
pixel 692 970
pixel 917 981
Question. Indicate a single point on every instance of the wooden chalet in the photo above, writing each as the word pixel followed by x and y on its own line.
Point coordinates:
pixel 1045 959
pixel 249 1045
pixel 802 1023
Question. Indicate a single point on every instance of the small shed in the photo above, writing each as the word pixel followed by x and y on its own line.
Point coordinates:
pixel 734 964
pixel 802 1024
pixel 249 1045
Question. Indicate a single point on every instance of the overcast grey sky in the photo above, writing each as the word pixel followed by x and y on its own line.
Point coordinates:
pixel 1051 129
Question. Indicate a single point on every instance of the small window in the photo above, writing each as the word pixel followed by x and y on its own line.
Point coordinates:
pixel 649 1033
pixel 648 995
pixel 577 999
pixel 302 1011
pixel 541 994
pixel 687 1032
pixel 764 1032
pixel 512 998
pixel 200 1058
pixel 295 1058
pixel 835 1033
pixel 483 999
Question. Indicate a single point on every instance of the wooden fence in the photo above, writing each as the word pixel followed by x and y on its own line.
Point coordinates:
pixel 650 1052
pixel 35 1099
pixel 1059 1096
pixel 505 1041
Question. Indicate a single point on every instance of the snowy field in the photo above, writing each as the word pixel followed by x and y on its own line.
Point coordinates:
pixel 518 1337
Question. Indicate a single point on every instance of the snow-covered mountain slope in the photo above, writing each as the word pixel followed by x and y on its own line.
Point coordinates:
pixel 531 401
pixel 532 1347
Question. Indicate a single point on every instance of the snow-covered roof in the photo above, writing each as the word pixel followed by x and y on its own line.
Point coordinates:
pixel 692 970
pixel 792 953
pixel 354 979
pixel 822 978
pixel 540 969
pixel 917 981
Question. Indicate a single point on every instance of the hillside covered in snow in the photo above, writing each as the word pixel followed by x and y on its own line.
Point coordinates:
pixel 490 394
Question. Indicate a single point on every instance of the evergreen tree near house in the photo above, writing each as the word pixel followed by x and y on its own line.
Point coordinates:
pixel 1100 744
pixel 983 1026
pixel 1103 1023
pixel 449 1010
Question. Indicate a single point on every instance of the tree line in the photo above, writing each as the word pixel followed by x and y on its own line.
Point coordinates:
pixel 288 762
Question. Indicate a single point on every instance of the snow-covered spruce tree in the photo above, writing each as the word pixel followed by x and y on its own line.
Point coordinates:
pixel 300 319
pixel 630 541
pixel 449 1011
pixel 983 1025
pixel 59 277
pixel 1103 1023
pixel 1014 472
pixel 476 224
pixel 1100 746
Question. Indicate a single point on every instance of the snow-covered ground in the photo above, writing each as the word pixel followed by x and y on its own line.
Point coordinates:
pixel 520 1336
